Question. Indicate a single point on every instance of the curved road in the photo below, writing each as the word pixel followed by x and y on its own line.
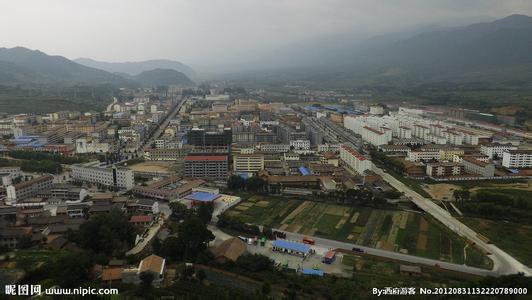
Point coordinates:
pixel 503 263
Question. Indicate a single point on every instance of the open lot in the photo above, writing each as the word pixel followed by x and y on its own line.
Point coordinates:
pixel 441 191
pixel 392 230
pixel 151 166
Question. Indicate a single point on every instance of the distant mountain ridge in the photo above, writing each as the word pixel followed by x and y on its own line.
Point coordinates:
pixel 163 77
pixel 495 51
pixel 24 66
pixel 135 68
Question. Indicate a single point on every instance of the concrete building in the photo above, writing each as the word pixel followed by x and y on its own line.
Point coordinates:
pixel 7 174
pixel 423 155
pixel 376 110
pixel 206 166
pixel 112 177
pixel 444 169
pixel 517 159
pixel 248 163
pixel 300 144
pixel 275 148
pixel 28 188
pixel 169 154
pixel 405 132
pixel 356 161
pixel 201 137
pixel 447 154
pixel 478 167
pixel 495 149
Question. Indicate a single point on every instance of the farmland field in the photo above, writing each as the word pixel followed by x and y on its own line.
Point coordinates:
pixel 392 230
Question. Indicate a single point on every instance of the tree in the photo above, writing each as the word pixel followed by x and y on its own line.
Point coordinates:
pixel 179 211
pixel 70 269
pixel 107 233
pixel 146 279
pixel 193 236
pixel 204 212
pixel 255 184
pixel 254 262
pixel 200 275
pixel 235 183
pixel 266 288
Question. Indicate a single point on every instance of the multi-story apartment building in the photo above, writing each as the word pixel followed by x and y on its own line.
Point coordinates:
pixel 353 159
pixel 67 192
pixel 374 136
pixel 444 169
pixel 206 166
pixel 447 154
pixel 275 148
pixel 166 154
pixel 405 132
pixel 300 144
pixel 517 159
pixel 478 167
pixel 495 149
pixel 28 188
pixel 7 174
pixel 425 155
pixel 248 163
pixel 117 177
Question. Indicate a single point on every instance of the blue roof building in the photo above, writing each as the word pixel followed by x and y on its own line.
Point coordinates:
pixel 291 247
pixel 202 196
pixel 312 272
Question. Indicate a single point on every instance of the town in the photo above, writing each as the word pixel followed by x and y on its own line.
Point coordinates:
pixel 222 178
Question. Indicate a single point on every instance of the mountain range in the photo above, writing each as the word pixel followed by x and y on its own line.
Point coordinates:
pixel 498 51
pixel 22 66
pixel 495 51
pixel 135 68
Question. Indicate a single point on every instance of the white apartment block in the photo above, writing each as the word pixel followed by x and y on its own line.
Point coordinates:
pixel 28 188
pixel 376 110
pixel 496 149
pixel 328 147
pixel 405 132
pixel 353 159
pixel 478 167
pixel 7 174
pixel 424 155
pixel 83 146
pixel 517 159
pixel 113 177
pixel 300 144
pixel 275 148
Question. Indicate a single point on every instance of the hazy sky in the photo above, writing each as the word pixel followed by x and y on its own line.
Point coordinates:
pixel 211 31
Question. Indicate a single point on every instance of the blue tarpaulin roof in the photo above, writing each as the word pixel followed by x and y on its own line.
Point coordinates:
pixel 291 246
pixel 313 272
pixel 202 196
pixel 304 171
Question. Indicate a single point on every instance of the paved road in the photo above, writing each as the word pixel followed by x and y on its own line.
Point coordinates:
pixel 166 121
pixel 152 233
pixel 326 243
pixel 503 263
